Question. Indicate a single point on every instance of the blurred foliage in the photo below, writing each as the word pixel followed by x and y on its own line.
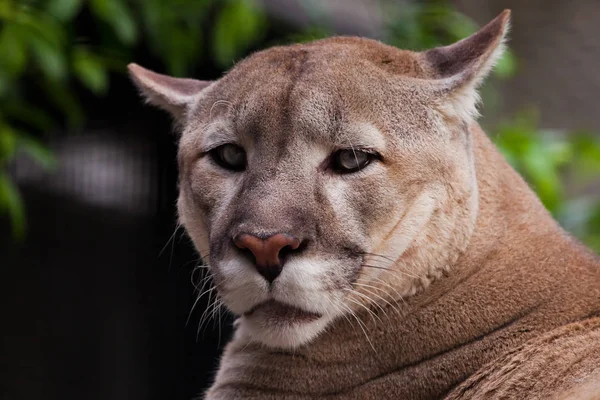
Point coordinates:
pixel 556 163
pixel 43 44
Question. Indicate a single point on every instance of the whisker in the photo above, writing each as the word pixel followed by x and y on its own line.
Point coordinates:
pixel 208 291
pixel 380 256
pixel 392 270
pixel 365 286
pixel 219 322
pixel 207 312
pixel 339 309
pixel 371 301
pixel 217 103
pixel 381 281
pixel 361 326
pixel 216 314
pixel 197 261
pixel 214 304
pixel 204 253
pixel 199 269
pixel 392 263
pixel 169 240
pixel 207 279
pixel 373 315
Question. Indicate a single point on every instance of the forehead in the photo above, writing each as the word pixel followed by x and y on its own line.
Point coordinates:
pixel 319 93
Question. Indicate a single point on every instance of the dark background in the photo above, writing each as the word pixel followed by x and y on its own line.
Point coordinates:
pixel 91 308
pixel 96 296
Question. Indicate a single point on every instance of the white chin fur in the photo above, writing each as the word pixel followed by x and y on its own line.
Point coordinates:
pixel 301 284
pixel 282 334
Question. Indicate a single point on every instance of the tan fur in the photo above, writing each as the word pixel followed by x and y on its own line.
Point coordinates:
pixel 437 271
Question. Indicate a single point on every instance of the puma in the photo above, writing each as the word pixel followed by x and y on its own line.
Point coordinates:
pixel 369 236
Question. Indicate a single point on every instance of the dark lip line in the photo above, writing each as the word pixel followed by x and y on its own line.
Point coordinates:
pixel 257 306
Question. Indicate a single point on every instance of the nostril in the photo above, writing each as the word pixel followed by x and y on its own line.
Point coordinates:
pixel 303 245
pixel 284 253
pixel 247 253
pixel 289 250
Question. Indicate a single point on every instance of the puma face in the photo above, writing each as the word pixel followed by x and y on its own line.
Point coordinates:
pixel 318 179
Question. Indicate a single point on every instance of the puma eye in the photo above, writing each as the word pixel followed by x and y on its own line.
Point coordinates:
pixel 347 161
pixel 230 156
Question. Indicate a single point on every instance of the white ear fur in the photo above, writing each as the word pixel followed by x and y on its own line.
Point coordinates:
pixel 171 94
pixel 460 68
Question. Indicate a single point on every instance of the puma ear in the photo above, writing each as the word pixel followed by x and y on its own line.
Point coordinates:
pixel 171 94
pixel 461 67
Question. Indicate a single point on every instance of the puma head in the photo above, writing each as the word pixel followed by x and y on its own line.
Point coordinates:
pixel 318 178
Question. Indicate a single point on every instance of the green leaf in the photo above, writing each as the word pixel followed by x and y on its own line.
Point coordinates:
pixel 239 24
pixel 13 54
pixel 541 171
pixel 12 205
pixel 50 60
pixel 560 152
pixel 118 16
pixel 90 71
pixel 6 9
pixel 64 10
pixel 43 27
pixel 587 146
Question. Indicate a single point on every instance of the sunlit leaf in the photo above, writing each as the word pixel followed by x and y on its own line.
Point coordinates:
pixel 536 155
pixel 588 147
pixel 6 10
pixel 543 175
pixel 239 24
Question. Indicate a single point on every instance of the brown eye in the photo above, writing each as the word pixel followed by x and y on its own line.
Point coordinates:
pixel 230 156
pixel 347 161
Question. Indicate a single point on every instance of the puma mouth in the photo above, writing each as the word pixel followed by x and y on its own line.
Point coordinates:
pixel 276 310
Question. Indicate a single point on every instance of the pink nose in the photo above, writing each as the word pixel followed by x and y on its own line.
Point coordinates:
pixel 267 252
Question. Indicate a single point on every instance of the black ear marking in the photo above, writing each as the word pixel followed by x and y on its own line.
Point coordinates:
pixel 471 53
